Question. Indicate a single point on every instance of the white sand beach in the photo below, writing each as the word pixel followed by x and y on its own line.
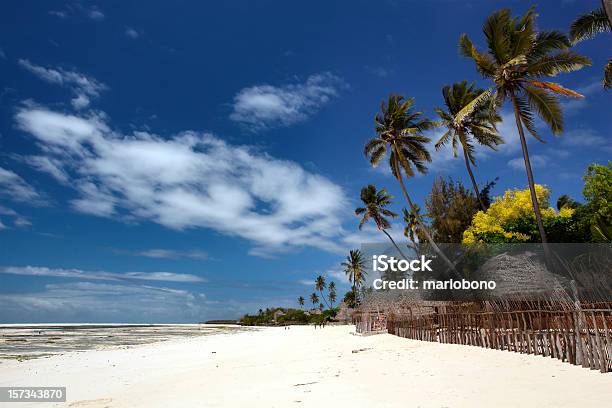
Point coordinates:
pixel 304 367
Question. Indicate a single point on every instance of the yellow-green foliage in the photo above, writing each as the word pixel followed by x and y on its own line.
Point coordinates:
pixel 512 205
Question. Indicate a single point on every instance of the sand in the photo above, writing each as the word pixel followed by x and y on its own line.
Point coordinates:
pixel 304 367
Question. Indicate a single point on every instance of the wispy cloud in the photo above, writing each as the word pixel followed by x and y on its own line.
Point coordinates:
pixel 266 106
pixel 587 138
pixel 72 9
pixel 84 88
pixel 131 33
pixel 187 181
pixel 99 275
pixel 306 282
pixel 103 302
pixel 17 219
pixel 159 253
pixel 536 160
pixel 15 188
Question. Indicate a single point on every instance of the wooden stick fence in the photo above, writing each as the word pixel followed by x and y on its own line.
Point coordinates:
pixel 579 333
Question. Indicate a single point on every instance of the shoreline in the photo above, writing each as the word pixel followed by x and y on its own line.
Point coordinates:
pixel 304 367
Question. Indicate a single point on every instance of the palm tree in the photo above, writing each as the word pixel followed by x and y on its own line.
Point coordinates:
pixel 399 128
pixel 588 25
pixel 320 285
pixel 517 57
pixel 410 224
pixel 375 208
pixel 314 299
pixel 332 293
pixel 468 120
pixel 301 302
pixel 354 267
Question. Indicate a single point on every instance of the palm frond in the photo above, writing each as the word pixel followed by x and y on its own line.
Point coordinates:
pixel 588 25
pixel 486 136
pixel 494 29
pixel 372 145
pixel 377 155
pixel 547 106
pixel 443 140
pixel 468 109
pixel 607 82
pixel 547 41
pixel 556 88
pixel 551 65
pixel 485 65
pixel 526 116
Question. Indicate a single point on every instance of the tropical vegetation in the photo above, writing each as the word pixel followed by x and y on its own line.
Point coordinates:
pixel 518 57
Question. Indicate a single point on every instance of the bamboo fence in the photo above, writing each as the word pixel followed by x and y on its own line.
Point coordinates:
pixel 576 332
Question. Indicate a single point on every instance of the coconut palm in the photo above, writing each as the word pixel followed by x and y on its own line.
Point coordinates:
pixel 332 293
pixel 375 208
pixel 588 25
pixel 320 285
pixel 518 56
pixel 399 128
pixel 468 121
pixel 301 301
pixel 354 267
pixel 314 299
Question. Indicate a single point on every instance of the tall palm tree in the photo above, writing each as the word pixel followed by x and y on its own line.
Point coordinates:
pixel 354 267
pixel 314 299
pixel 517 57
pixel 588 25
pixel 301 301
pixel 468 120
pixel 375 208
pixel 332 293
pixel 399 128
pixel 320 285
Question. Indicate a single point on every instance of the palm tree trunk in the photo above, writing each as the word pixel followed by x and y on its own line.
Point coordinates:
pixel 323 297
pixel 422 227
pixel 534 197
pixel 607 7
pixel 394 244
pixel 469 169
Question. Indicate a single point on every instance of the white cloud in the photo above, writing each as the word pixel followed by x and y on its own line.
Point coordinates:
pixel 17 219
pixel 93 12
pixel 159 253
pixel 265 106
pixel 190 180
pixel 306 282
pixel 103 302
pixel 13 187
pixel 58 13
pixel 131 33
pixel 83 87
pixel 48 165
pixel 586 138
pixel 96 14
pixel 100 275
pixel 536 160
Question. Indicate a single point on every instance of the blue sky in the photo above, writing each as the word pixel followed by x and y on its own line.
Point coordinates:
pixel 183 162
